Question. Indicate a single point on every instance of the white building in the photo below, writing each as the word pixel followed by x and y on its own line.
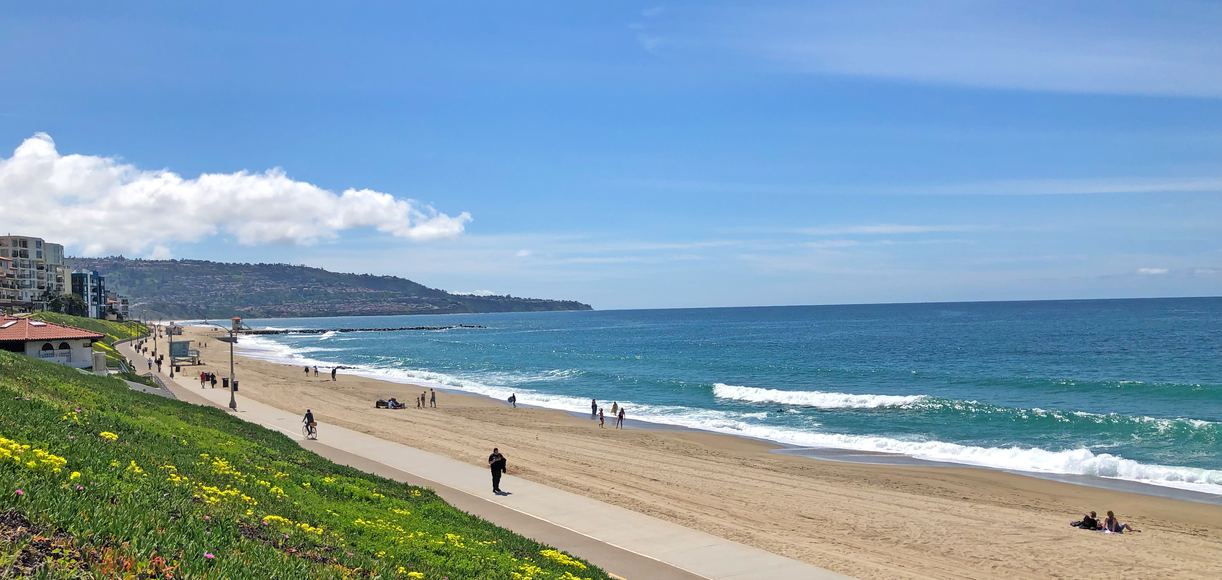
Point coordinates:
pixel 50 342
pixel 38 268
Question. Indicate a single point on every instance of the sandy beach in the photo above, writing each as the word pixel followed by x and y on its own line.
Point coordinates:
pixel 870 521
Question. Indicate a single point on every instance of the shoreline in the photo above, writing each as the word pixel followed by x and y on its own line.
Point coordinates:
pixel 866 520
pixel 841 454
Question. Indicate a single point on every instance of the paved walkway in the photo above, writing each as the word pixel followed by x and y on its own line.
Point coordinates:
pixel 621 541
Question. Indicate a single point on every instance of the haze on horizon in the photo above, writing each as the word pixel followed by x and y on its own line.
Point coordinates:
pixel 634 155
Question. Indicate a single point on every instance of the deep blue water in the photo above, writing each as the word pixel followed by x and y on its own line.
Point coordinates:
pixel 1130 389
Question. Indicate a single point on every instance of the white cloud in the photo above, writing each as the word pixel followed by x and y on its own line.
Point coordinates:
pixel 1152 271
pixel 522 253
pixel 97 205
pixel 886 230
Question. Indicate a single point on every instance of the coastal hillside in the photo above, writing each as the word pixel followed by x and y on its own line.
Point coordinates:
pixel 103 482
pixel 204 289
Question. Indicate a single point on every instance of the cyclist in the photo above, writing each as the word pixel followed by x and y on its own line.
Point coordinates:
pixel 310 426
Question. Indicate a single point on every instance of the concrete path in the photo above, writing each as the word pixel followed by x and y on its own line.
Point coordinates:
pixel 621 541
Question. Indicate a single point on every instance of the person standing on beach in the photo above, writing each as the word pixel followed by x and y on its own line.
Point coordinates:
pixel 593 409
pixel 432 398
pixel 333 372
pixel 614 408
pixel 497 463
pixel 600 419
pixel 307 370
pixel 619 419
pixel 513 400
pixel 315 370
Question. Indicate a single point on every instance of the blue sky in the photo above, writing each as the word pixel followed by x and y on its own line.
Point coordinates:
pixel 635 154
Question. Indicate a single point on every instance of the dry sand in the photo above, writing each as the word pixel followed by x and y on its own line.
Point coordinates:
pixel 868 521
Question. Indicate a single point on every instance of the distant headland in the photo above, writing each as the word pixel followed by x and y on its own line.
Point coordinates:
pixel 205 289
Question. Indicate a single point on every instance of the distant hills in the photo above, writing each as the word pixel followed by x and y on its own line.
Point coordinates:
pixel 204 289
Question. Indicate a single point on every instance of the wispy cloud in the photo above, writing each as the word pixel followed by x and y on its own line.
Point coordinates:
pixel 1163 47
pixel 1152 271
pixel 888 229
pixel 1084 186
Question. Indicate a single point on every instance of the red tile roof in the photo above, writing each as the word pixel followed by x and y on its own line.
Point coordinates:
pixel 22 330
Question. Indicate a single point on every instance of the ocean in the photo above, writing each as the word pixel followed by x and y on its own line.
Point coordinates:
pixel 1119 389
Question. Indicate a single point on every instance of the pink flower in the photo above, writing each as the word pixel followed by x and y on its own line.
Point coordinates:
pixel 20 492
pixel 209 555
pixel 207 518
pixel 80 487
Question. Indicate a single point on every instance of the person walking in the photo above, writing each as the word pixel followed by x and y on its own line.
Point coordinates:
pixel 593 409
pixel 203 378
pixel 600 419
pixel 433 398
pixel 615 408
pixel 307 370
pixel 619 419
pixel 316 370
pixel 513 400
pixel 497 463
pixel 333 372
pixel 212 379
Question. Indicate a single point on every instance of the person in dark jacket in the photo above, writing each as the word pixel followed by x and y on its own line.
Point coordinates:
pixel 497 463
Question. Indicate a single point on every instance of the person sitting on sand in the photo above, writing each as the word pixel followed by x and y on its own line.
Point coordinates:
pixel 1089 522
pixel 1111 524
pixel 392 404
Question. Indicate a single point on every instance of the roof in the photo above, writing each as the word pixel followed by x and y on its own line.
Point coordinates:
pixel 26 330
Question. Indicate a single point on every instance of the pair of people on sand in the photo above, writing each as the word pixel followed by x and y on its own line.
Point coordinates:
pixel 1109 524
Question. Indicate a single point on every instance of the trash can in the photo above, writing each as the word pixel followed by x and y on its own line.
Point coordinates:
pixel 225 383
pixel 235 386
pixel 178 368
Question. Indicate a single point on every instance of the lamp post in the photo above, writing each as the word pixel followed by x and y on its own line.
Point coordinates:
pixel 232 338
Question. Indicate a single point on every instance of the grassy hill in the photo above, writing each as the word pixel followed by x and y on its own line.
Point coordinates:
pixel 114 331
pixel 203 289
pixel 97 480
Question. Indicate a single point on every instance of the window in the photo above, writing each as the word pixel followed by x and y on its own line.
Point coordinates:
pixel 47 346
pixel 64 346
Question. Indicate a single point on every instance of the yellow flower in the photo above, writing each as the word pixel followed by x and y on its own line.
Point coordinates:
pixel 415 575
pixel 562 558
pixel 75 475
pixel 107 435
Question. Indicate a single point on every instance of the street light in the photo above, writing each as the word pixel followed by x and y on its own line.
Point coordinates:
pixel 232 338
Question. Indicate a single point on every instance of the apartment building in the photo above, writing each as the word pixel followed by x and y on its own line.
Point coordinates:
pixel 91 287
pixel 9 299
pixel 37 266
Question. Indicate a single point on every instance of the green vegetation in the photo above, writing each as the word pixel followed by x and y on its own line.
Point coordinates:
pixel 135 378
pixel 203 289
pixel 97 480
pixel 114 331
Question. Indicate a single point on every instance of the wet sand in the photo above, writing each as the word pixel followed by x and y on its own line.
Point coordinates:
pixel 871 521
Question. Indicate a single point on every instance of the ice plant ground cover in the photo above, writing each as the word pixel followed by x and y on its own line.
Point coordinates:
pixel 99 480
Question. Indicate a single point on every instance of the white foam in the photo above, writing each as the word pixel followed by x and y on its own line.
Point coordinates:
pixel 820 399
pixel 328 334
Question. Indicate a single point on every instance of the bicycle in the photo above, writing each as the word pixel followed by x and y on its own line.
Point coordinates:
pixel 310 430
